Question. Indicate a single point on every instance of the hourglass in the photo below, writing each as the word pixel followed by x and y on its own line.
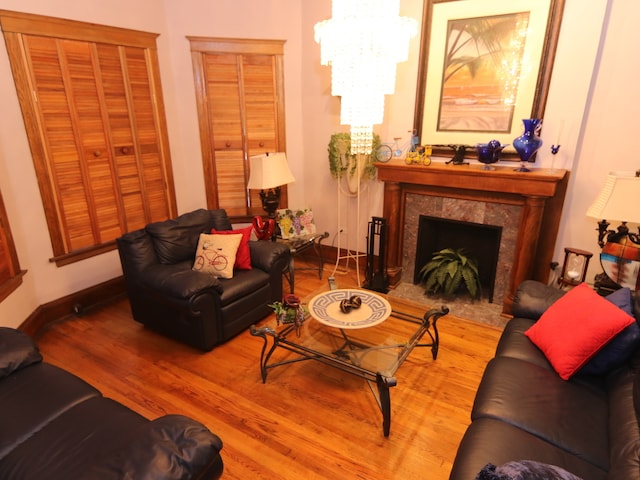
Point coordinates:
pixel 574 269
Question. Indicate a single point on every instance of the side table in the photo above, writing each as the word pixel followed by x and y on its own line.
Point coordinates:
pixel 298 245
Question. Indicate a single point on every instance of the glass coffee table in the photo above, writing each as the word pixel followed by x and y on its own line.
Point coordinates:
pixel 370 339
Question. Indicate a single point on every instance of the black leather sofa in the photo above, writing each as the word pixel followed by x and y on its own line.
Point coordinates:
pixel 587 425
pixel 196 308
pixel 53 426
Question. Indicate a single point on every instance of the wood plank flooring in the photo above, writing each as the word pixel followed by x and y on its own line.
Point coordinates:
pixel 308 421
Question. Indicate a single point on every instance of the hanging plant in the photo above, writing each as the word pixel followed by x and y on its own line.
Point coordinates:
pixel 448 270
pixel 341 161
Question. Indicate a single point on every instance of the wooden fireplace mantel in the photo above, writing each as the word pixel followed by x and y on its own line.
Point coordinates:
pixel 540 193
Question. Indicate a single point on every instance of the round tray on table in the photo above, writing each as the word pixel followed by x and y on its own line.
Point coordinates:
pixel 325 308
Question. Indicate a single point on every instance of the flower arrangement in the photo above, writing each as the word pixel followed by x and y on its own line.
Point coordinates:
pixel 290 310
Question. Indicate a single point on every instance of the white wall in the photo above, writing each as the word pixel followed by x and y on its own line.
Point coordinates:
pixel 594 107
pixel 608 138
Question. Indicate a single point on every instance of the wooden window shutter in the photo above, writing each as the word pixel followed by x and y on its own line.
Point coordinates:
pixel 92 105
pixel 10 273
pixel 240 97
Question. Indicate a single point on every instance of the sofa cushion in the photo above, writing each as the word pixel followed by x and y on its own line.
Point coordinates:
pixel 178 281
pixel 569 415
pixel 216 254
pixel 532 298
pixel 17 351
pixel 243 256
pixel 65 447
pixel 515 344
pixel 623 387
pixel 622 346
pixel 575 327
pixel 34 397
pixel 489 440
pixel 524 470
pixel 176 240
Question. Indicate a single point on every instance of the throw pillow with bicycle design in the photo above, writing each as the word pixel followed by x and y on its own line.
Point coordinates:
pixel 216 254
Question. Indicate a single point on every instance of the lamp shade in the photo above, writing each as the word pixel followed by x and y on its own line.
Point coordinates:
pixel 619 199
pixel 269 171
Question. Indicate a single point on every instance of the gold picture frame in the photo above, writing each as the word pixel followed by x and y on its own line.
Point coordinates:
pixel 484 66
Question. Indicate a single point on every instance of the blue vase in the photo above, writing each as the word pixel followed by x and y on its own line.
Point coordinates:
pixel 489 153
pixel 528 143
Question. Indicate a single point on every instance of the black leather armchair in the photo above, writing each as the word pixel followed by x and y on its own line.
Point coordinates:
pixel 196 308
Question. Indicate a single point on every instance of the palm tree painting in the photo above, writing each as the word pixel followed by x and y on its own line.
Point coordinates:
pixel 483 65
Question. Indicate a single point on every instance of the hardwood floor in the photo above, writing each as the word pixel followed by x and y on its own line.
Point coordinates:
pixel 308 421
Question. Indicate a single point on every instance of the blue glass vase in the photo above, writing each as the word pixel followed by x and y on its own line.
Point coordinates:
pixel 489 153
pixel 528 143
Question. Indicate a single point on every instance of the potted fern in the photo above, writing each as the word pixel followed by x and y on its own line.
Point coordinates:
pixel 449 271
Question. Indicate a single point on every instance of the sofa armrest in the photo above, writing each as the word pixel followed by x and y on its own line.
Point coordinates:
pixel 266 254
pixel 178 281
pixel 170 447
pixel 532 298
pixel 17 351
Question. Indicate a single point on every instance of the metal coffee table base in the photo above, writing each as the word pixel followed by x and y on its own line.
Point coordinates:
pixel 285 339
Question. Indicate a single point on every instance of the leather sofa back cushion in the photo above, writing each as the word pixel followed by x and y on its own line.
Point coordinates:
pixel 17 350
pixel 176 240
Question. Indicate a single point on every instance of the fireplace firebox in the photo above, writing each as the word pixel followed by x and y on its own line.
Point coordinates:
pixel 480 242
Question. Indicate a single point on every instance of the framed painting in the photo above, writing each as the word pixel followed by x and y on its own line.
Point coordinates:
pixel 484 66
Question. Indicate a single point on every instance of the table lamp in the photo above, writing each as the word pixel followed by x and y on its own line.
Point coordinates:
pixel 619 201
pixel 268 172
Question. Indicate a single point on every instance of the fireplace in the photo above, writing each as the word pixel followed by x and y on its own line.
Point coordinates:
pixel 477 241
pixel 526 206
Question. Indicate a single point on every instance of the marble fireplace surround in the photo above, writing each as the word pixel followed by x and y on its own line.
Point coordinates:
pixel 527 205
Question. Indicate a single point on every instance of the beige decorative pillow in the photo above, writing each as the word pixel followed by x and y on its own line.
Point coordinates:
pixel 216 254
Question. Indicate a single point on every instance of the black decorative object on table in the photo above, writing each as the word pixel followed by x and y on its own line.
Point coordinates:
pixel 460 152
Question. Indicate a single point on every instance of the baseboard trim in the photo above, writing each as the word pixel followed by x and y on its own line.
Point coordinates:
pixel 73 304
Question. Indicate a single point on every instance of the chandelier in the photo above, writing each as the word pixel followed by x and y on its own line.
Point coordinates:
pixel 363 42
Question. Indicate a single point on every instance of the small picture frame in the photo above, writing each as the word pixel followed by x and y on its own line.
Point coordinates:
pixel 295 222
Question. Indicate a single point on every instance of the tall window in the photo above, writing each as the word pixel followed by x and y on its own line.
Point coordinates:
pixel 92 105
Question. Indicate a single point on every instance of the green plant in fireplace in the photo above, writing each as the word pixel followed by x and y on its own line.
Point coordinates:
pixel 448 271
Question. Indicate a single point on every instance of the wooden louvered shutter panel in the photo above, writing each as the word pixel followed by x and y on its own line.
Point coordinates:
pixel 239 88
pixel 96 127
pixel 225 98
pixel 259 82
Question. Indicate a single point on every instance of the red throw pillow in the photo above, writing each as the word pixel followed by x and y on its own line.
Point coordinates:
pixel 243 257
pixel 572 330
